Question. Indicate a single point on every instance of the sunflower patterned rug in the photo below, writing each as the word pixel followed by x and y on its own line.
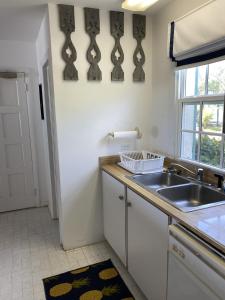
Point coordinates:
pixel 96 282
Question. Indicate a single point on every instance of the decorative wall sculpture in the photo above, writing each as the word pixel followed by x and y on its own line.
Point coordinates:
pixel 92 26
pixel 69 54
pixel 117 55
pixel 139 31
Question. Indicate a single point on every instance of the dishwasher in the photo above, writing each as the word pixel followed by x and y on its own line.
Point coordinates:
pixel 196 271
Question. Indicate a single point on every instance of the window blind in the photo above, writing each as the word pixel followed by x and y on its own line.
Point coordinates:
pixel 199 35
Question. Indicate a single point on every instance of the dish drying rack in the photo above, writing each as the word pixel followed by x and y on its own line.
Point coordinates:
pixel 141 162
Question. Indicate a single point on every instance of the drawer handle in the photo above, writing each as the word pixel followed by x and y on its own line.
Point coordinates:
pixel 121 197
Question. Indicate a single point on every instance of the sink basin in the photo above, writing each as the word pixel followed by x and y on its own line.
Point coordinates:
pixel 159 180
pixel 179 191
pixel 192 197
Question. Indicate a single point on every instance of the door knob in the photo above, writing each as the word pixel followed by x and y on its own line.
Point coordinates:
pixel 121 197
pixel 129 204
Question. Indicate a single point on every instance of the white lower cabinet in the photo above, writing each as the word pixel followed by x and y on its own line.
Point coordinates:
pixel 114 206
pixel 147 246
pixel 138 233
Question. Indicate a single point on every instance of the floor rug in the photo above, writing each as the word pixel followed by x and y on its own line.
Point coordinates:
pixel 95 282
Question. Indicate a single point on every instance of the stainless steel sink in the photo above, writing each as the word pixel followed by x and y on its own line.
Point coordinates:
pixel 180 192
pixel 192 197
pixel 159 180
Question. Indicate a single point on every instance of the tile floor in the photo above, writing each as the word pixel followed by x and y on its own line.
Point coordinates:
pixel 30 250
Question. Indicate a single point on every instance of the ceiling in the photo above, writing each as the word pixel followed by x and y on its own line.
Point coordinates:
pixel 107 4
pixel 15 15
pixel 20 23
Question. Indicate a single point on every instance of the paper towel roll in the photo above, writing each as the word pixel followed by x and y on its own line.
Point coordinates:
pixel 125 134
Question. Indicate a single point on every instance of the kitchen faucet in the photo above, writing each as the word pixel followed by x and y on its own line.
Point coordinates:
pixel 199 174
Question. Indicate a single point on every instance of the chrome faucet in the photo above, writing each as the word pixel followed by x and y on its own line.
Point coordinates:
pixel 199 174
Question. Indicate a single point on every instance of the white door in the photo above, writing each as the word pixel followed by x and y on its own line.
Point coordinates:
pixel 114 214
pixel 147 246
pixel 16 166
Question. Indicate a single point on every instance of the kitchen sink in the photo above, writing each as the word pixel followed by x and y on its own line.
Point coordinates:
pixel 192 197
pixel 159 180
pixel 179 191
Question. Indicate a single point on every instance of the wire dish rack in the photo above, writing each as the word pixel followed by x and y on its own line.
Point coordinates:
pixel 141 162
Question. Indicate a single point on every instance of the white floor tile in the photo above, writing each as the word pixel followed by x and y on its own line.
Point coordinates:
pixel 30 251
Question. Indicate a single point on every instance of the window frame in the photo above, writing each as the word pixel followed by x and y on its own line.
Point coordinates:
pixel 180 79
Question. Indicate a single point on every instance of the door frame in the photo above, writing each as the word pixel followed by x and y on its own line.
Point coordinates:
pixel 51 118
pixel 29 76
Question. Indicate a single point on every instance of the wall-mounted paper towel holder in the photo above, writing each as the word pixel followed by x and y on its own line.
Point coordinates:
pixel 136 133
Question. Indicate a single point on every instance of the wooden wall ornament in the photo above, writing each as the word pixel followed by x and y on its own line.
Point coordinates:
pixel 92 27
pixel 117 55
pixel 69 54
pixel 139 31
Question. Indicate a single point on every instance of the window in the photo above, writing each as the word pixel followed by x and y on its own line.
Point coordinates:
pixel 201 99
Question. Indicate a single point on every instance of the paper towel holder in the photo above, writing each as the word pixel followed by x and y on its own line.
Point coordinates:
pixel 139 134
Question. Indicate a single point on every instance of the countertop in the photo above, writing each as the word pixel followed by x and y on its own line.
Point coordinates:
pixel 208 224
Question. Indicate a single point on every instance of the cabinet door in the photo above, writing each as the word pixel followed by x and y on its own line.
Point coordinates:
pixel 147 246
pixel 114 214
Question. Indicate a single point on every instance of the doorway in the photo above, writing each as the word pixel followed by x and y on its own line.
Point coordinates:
pixel 18 188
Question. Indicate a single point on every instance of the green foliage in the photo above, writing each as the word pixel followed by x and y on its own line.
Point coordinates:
pixel 210 150
pixel 214 86
pixel 216 82
pixel 206 119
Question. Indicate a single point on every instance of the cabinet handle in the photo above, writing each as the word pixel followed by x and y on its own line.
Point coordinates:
pixel 129 204
pixel 121 197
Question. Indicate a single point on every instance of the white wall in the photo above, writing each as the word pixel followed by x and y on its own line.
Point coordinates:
pixel 85 113
pixel 18 55
pixel 163 106
pixel 42 45
pixel 42 52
